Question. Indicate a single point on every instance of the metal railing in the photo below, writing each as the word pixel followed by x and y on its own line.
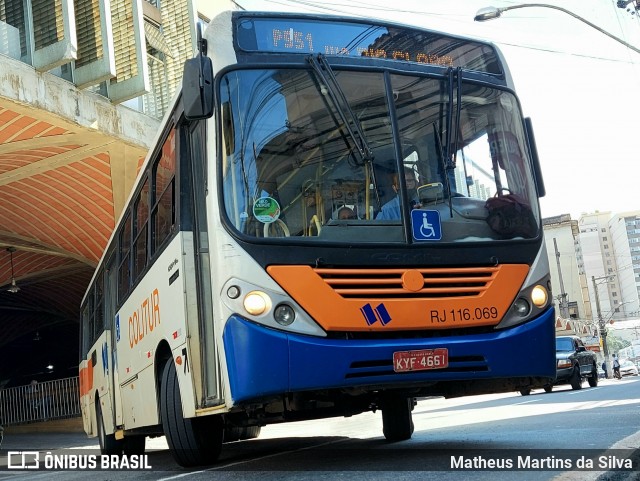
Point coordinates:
pixel 41 401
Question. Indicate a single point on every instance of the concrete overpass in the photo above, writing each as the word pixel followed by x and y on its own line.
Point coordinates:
pixel 70 151
pixel 68 159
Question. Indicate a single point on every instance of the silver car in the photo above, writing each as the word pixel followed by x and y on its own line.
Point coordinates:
pixel 627 368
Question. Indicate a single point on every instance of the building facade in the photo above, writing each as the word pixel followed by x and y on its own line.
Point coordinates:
pixel 570 293
pixel 625 236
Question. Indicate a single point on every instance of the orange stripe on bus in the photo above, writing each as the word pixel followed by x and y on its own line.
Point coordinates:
pixel 411 299
pixel 86 379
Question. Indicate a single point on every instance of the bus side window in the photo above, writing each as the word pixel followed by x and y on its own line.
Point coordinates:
pixel 124 267
pixel 98 316
pixel 87 327
pixel 163 190
pixel 88 320
pixel 140 248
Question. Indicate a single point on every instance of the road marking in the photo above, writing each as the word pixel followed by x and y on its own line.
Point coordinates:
pixel 252 460
pixel 578 391
pixel 630 443
pixel 527 402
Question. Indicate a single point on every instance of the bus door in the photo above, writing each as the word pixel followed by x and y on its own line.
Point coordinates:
pixel 110 299
pixel 194 221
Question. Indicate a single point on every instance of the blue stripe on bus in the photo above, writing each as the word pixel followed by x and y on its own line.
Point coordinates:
pixel 263 361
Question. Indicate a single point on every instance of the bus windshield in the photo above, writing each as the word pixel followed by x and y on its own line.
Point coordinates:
pixel 346 156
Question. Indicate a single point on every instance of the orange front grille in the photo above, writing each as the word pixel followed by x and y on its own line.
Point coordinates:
pixel 412 299
pixel 392 283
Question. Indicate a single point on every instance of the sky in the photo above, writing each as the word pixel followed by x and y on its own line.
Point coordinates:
pixel 580 87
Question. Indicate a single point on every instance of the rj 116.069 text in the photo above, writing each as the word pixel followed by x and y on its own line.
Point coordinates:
pixel 456 315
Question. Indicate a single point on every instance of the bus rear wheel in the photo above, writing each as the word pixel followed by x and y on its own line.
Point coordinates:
pixel 397 423
pixel 108 442
pixel 192 441
pixel 134 445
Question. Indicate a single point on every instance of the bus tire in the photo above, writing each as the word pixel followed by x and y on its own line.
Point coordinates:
pixel 397 422
pixel 108 442
pixel 134 445
pixel 239 433
pixel 192 441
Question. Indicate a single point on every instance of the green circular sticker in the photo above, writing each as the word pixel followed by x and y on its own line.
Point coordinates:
pixel 266 209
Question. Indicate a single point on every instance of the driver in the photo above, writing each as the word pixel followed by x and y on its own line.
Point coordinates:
pixel 391 210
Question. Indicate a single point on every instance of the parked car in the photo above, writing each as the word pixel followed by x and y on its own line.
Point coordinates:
pixel 574 364
pixel 627 368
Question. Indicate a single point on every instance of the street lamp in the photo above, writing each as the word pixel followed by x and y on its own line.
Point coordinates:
pixel 489 13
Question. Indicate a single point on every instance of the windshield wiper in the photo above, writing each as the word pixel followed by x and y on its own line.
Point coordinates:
pixel 450 150
pixel 347 115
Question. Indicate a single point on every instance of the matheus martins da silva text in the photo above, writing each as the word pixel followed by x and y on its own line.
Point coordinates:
pixel 608 462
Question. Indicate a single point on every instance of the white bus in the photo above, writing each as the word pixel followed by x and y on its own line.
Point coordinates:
pixel 339 215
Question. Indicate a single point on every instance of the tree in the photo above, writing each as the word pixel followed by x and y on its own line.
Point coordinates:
pixel 616 343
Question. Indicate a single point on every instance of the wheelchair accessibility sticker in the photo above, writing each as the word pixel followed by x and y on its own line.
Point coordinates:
pixel 426 225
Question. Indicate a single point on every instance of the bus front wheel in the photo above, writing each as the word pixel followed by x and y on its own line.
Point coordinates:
pixel 192 441
pixel 397 422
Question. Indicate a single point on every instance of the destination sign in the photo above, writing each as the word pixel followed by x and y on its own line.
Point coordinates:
pixel 351 39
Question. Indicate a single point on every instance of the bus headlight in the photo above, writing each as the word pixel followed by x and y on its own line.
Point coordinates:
pixel 539 296
pixel 256 303
pixel 532 301
pixel 284 314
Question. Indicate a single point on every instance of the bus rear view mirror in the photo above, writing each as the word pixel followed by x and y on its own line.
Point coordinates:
pixel 197 88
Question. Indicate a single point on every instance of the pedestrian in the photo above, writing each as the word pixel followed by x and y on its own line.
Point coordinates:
pixel 604 368
pixel 616 367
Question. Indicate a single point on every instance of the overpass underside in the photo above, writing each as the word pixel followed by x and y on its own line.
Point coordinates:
pixel 68 160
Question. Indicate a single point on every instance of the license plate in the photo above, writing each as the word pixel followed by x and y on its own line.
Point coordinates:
pixel 404 361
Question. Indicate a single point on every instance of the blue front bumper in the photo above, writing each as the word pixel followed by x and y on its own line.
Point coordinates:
pixel 263 361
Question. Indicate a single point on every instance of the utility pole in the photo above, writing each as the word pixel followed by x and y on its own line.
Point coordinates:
pixel 601 323
pixel 562 298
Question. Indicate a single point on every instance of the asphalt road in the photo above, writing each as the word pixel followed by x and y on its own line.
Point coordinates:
pixel 602 423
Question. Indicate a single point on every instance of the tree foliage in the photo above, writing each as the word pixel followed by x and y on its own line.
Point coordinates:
pixel 616 343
